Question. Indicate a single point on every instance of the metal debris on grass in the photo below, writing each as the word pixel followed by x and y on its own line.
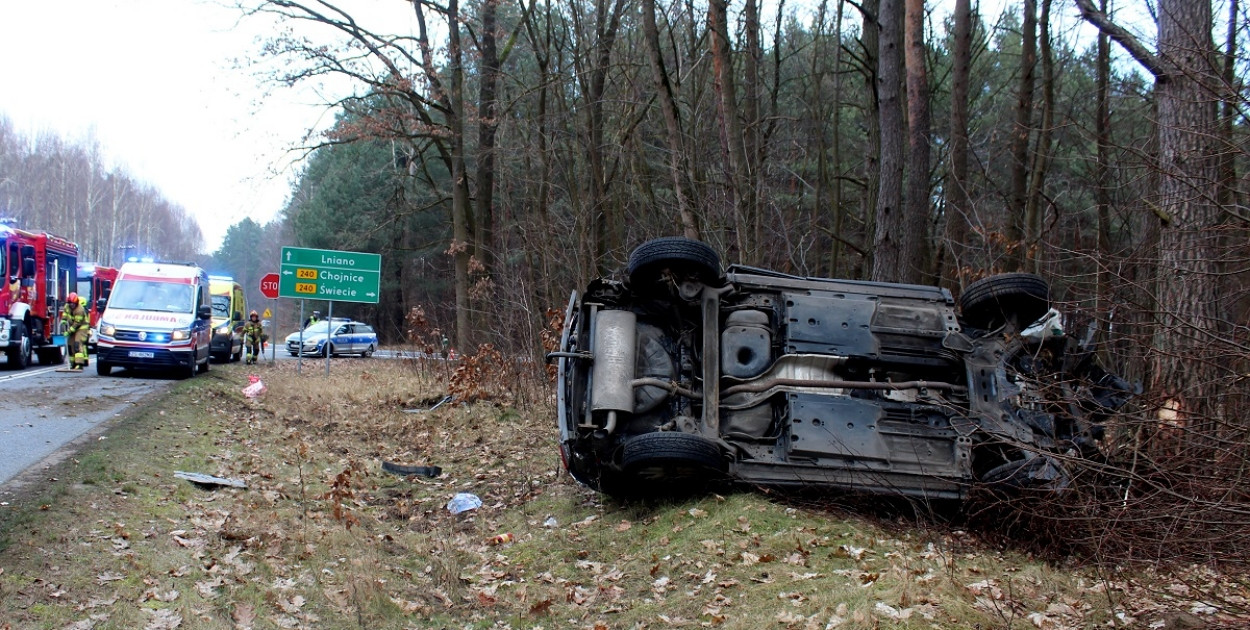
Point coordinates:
pixel 209 481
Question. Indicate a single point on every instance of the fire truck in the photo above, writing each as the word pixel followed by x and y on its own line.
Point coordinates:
pixel 40 270
pixel 95 282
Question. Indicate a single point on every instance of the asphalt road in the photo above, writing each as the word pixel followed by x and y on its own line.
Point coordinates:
pixel 42 410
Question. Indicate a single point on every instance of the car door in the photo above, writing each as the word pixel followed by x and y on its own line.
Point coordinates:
pixel 344 339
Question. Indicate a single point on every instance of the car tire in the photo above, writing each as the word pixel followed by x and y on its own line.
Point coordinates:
pixel 367 353
pixel 19 357
pixel 668 456
pixel 990 302
pixel 102 368
pixel 188 371
pixel 204 367
pixel 682 255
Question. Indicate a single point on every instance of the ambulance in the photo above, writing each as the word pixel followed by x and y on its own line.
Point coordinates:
pixel 229 308
pixel 158 317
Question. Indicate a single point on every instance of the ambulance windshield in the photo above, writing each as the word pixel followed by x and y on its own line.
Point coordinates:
pixel 148 295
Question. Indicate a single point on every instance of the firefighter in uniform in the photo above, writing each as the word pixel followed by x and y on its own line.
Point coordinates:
pixel 253 333
pixel 77 325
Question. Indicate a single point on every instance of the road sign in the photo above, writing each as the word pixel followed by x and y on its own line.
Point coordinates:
pixel 268 314
pixel 327 274
pixel 269 286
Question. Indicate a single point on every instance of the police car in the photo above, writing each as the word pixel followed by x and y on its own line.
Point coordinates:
pixel 334 337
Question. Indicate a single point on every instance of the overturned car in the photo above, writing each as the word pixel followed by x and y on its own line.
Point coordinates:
pixel 683 375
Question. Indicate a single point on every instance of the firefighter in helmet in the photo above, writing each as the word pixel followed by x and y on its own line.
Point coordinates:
pixel 77 325
pixel 253 334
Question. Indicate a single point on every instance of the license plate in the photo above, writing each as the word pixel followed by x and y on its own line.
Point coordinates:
pixel 137 354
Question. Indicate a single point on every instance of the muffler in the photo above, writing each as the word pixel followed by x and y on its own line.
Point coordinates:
pixel 616 353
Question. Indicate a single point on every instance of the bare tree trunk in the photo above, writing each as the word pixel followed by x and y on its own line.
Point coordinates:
pixel 731 127
pixel 1183 368
pixel 461 212
pixel 916 266
pixel 958 210
pixel 828 216
pixel 1187 193
pixel 1041 157
pixel 751 132
pixel 486 131
pixel 1102 184
pixel 540 36
pixel 1228 113
pixel 890 238
pixel 1016 230
pixel 606 221
pixel 835 141
pixel 870 41
pixel 678 168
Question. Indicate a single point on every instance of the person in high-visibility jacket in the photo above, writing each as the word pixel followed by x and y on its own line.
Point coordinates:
pixel 77 325
pixel 253 334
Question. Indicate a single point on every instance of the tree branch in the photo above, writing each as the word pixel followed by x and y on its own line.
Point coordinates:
pixel 1135 49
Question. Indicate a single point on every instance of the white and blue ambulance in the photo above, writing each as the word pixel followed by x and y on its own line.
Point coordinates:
pixel 158 317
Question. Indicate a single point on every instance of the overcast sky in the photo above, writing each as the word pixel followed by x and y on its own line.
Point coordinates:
pixel 160 86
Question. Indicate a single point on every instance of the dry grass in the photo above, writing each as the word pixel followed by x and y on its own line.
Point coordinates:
pixel 322 538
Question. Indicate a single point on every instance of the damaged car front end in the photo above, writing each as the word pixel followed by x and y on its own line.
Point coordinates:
pixel 683 375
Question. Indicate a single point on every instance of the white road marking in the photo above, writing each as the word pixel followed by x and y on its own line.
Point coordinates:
pixel 26 373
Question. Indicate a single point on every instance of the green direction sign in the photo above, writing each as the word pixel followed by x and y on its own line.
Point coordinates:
pixel 327 274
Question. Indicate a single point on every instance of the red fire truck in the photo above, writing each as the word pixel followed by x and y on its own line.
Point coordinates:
pixel 95 282
pixel 40 270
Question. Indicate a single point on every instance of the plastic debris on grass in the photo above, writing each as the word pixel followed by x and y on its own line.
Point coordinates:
pixel 463 502
pixel 255 386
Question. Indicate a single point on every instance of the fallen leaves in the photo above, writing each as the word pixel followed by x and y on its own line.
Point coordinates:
pixel 318 533
pixel 243 615
pixel 163 619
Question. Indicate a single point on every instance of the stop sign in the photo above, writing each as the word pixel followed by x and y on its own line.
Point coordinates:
pixel 269 286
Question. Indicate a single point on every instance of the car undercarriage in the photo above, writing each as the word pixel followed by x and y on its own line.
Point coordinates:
pixel 682 375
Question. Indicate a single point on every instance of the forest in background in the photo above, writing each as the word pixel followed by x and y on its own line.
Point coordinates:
pixel 501 154
pixel 63 186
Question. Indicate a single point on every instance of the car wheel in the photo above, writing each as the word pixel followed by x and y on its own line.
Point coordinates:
pixel 102 368
pixel 188 371
pixel 682 256
pixel 668 456
pixel 367 353
pixel 19 357
pixel 204 367
pixel 990 302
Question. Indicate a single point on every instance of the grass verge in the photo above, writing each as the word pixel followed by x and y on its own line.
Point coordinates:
pixel 323 538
